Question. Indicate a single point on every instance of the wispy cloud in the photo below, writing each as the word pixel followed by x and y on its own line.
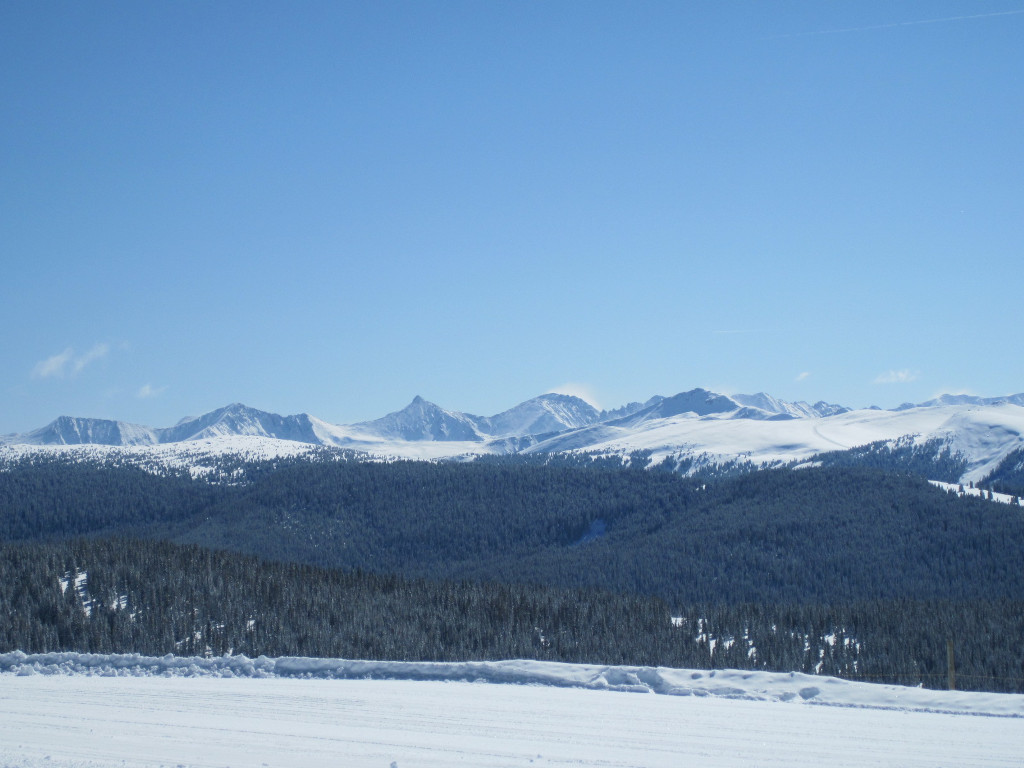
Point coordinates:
pixel 896 24
pixel 63 363
pixel 575 389
pixel 97 352
pixel 897 377
pixel 954 391
pixel 803 375
pixel 53 366
pixel 148 390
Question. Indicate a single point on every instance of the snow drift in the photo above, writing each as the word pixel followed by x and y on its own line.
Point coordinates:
pixel 729 684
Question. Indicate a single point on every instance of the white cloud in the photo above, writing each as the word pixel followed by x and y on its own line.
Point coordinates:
pixel 53 366
pixel 803 375
pixel 98 351
pixel 575 389
pixel 897 377
pixel 148 390
pixel 67 362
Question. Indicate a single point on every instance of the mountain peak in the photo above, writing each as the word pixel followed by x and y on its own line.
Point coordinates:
pixel 697 422
pixel 963 399
pixel 550 412
pixel 240 419
pixel 72 430
pixel 423 420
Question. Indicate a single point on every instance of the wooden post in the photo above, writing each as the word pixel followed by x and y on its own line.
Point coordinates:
pixel 950 665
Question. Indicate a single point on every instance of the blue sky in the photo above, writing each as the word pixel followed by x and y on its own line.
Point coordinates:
pixel 333 207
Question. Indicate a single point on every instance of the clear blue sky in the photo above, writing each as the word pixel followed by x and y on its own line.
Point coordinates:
pixel 332 207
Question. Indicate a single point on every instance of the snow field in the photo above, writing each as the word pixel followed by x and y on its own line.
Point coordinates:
pixel 55 714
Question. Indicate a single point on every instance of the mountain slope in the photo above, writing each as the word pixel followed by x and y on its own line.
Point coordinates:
pixel 699 402
pixel 544 414
pixel 422 420
pixel 983 434
pixel 697 428
pixel 70 430
pixel 775 407
pixel 238 419
pixel 779 536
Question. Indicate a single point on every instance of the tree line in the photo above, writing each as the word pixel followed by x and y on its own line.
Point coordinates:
pixel 118 596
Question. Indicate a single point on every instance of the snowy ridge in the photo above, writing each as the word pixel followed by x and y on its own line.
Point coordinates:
pixel 702 425
pixel 547 413
pixel 68 430
pixel 798 410
pixel 422 420
pixel 729 684
pixel 970 400
pixel 983 434
pixel 238 419
pixel 200 458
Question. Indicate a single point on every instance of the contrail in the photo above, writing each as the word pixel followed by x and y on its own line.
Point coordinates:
pixel 903 24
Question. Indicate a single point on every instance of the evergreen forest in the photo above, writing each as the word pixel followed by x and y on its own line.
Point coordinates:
pixel 855 571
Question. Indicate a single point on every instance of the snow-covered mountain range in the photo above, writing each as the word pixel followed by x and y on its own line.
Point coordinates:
pixel 715 427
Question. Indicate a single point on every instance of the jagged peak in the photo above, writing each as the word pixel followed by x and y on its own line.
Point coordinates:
pixel 544 415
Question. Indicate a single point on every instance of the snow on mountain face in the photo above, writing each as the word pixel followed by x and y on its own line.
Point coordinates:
pixel 544 414
pixel 237 419
pixel 984 435
pixel 69 430
pixel 973 400
pixel 699 402
pixel 718 428
pixel 799 410
pixel 422 420
pixel 629 409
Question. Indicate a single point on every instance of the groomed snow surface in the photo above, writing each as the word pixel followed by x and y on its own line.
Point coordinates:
pixel 88 710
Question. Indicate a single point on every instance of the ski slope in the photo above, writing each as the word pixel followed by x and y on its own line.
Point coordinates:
pixel 65 710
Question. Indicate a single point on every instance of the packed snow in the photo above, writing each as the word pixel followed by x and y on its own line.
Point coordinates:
pixel 83 711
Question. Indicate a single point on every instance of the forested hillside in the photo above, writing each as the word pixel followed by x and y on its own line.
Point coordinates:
pixel 836 570
pixel 1008 477
pixel 107 596
pixel 779 536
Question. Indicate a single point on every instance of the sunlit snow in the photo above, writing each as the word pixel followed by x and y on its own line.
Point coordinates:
pixel 66 710
pixel 982 433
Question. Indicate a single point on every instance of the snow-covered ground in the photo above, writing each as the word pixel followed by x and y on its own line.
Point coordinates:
pixel 963 490
pixel 87 711
pixel 200 457
pixel 983 434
